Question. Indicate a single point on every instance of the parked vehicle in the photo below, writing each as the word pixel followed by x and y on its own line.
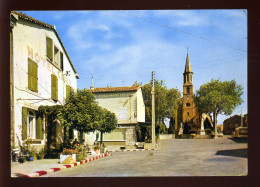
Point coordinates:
pixel 240 132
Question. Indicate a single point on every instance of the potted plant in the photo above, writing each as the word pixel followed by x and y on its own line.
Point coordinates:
pixel 41 154
pixel 97 149
pixel 32 154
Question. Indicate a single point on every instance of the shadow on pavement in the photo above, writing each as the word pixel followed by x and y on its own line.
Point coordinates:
pixel 234 152
pixel 239 140
pixel 17 175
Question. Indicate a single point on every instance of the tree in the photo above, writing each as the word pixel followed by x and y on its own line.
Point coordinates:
pixel 218 98
pixel 166 101
pixel 79 112
pixel 107 123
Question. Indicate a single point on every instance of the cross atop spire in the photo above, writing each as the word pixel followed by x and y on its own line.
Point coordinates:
pixel 92 82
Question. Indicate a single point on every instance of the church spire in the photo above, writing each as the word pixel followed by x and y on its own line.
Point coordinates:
pixel 187 66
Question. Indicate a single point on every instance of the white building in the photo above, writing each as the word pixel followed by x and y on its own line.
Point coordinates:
pixel 41 74
pixel 128 105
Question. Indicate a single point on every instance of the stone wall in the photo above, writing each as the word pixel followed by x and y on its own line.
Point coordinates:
pixel 130 136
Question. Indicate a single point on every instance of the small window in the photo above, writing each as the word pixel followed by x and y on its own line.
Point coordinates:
pixel 188 113
pixel 188 89
pixel 188 104
pixel 31 130
pixel 61 61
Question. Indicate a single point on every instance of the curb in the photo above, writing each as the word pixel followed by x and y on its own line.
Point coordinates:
pixel 51 170
pixel 122 150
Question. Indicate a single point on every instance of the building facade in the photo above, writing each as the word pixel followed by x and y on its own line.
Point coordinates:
pixel 41 74
pixel 128 105
pixel 189 113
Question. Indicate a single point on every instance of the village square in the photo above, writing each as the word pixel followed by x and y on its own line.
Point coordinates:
pixel 59 129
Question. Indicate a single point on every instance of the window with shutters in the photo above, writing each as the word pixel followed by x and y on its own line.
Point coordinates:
pixel 32 124
pixel 32 75
pixel 54 87
pixel 49 48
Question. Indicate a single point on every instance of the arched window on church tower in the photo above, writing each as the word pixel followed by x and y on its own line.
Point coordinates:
pixel 188 89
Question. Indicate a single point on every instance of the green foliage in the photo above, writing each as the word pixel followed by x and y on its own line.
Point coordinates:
pixel 79 111
pixel 218 97
pixel 163 129
pixel 41 153
pixel 166 101
pixel 50 111
pixel 107 122
pixel 143 133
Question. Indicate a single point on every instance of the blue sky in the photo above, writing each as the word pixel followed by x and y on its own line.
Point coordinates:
pixel 120 47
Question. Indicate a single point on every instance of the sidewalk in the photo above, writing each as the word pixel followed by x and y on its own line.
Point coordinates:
pixel 39 167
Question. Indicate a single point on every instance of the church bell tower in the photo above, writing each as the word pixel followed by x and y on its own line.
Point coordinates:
pixel 188 106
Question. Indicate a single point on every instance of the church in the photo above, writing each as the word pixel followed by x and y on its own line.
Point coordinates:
pixel 191 121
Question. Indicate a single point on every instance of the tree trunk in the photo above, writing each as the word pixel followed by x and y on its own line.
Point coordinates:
pixel 215 125
pixel 101 137
pixel 81 137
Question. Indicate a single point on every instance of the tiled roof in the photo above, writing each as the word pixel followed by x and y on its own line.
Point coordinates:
pixel 115 89
pixel 30 19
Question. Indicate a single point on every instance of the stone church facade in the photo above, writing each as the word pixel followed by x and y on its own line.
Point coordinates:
pixel 189 112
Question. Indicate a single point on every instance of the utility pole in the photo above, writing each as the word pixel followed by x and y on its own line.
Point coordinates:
pixel 241 118
pixel 153 114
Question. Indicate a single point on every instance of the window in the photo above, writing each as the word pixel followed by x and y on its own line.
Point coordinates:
pixel 32 75
pixel 57 56
pixel 32 125
pixel 49 48
pixel 123 113
pixel 188 113
pixel 188 89
pixel 61 61
pixel 54 87
pixel 188 104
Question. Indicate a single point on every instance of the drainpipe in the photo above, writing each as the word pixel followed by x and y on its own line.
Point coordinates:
pixel 12 24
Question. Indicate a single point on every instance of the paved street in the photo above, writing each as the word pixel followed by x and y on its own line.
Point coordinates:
pixel 176 157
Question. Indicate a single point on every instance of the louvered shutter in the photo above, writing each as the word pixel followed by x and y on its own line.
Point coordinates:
pixel 24 123
pixel 32 75
pixel 35 76
pixel 39 126
pixel 49 46
pixel 54 87
pixel 68 90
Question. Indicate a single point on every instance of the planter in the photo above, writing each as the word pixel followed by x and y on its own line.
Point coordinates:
pixel 68 159
pixel 39 157
pixel 31 158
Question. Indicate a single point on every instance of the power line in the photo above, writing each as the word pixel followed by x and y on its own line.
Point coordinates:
pixel 185 32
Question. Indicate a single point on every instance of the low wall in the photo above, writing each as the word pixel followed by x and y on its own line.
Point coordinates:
pixel 166 136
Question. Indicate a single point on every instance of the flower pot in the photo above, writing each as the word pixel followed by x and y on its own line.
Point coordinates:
pixel 31 158
pixel 68 159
